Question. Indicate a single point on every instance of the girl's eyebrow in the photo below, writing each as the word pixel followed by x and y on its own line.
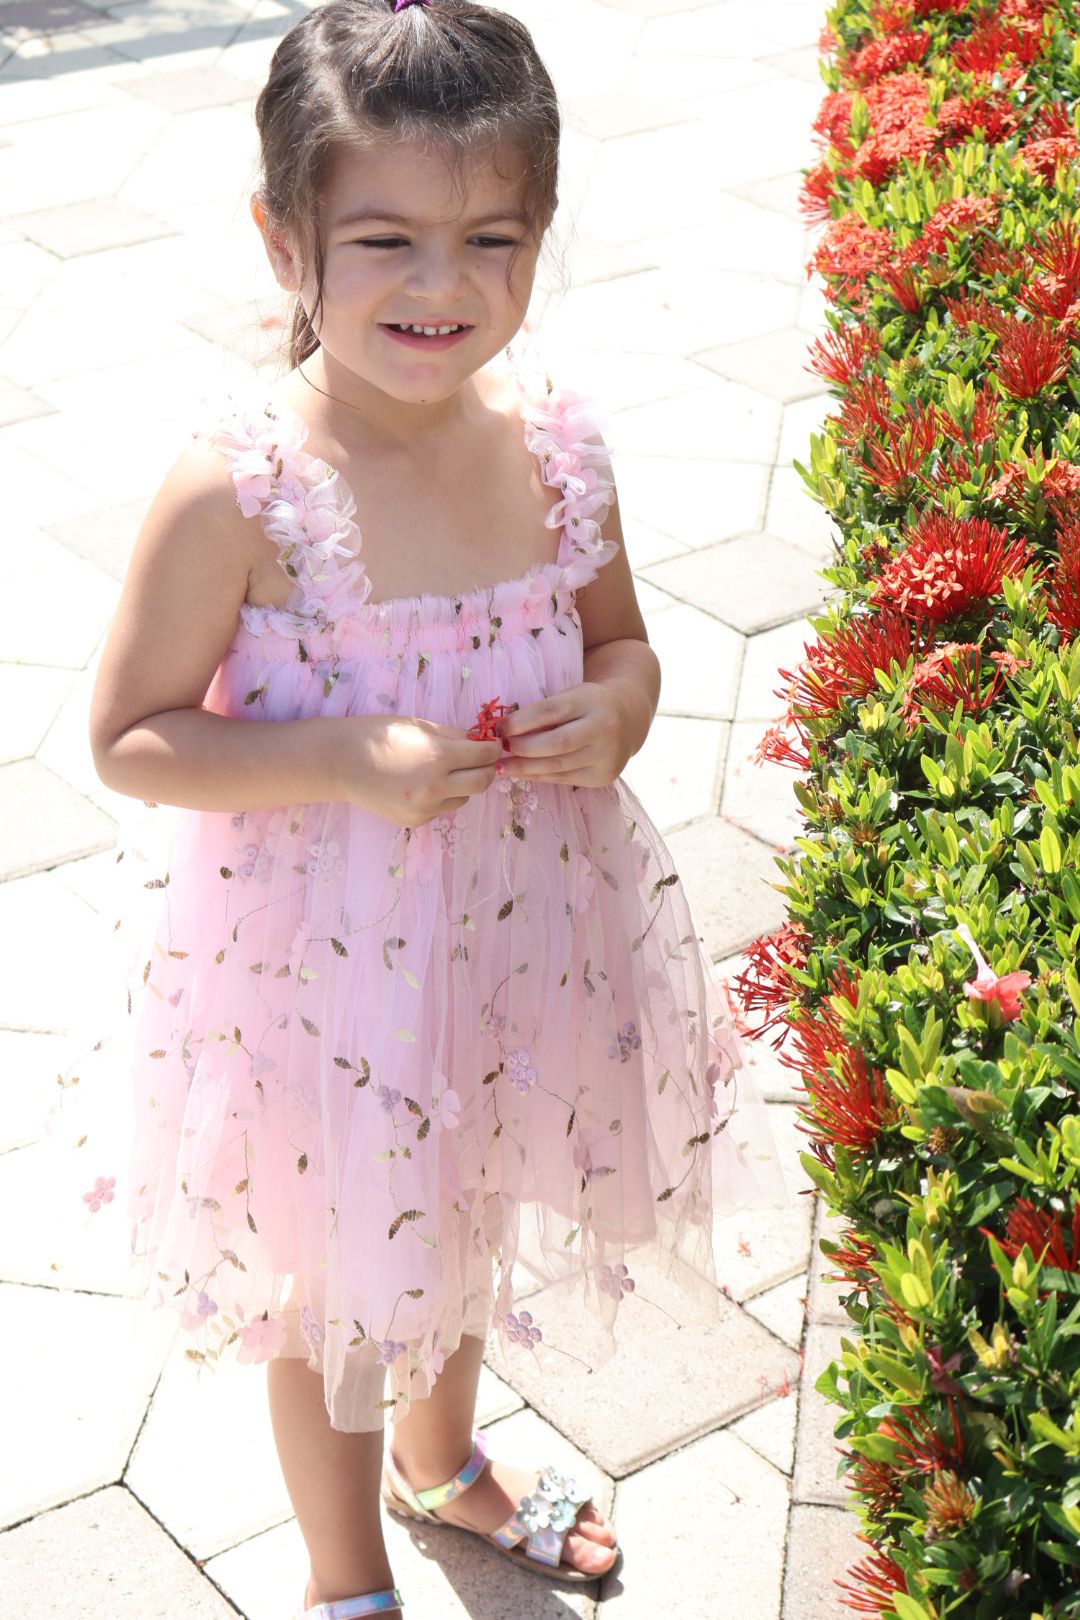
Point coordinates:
pixel 368 215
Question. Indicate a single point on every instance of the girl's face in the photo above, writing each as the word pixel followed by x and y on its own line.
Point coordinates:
pixel 408 245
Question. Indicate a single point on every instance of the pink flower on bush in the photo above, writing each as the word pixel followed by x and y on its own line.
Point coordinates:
pixel 262 1338
pixel 989 986
pixel 100 1193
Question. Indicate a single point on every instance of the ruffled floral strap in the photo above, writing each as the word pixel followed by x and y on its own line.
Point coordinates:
pixel 562 431
pixel 305 505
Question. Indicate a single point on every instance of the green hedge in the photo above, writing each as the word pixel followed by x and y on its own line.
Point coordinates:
pixel 925 985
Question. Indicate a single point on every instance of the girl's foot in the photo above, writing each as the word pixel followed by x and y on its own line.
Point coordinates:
pixel 493 1497
pixel 313 1595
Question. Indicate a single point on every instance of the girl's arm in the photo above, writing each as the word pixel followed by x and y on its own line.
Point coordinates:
pixel 177 615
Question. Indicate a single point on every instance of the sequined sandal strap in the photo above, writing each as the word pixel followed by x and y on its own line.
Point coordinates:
pixel 428 1501
pixel 544 1519
pixel 357 1607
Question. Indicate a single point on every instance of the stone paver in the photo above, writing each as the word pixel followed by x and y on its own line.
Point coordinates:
pixel 675 292
pixel 103 1555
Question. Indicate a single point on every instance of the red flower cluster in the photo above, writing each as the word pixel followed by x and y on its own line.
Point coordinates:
pixel 483 727
pixel 1063 589
pixel 948 675
pixel 949 567
pixel 841 664
pixel 766 985
pixel 1043 1232
pixel 1031 355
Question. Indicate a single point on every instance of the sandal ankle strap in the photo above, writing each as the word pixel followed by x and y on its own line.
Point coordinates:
pixel 437 1496
pixel 355 1608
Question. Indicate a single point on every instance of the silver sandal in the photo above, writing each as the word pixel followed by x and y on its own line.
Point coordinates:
pixel 532 1536
pixel 354 1608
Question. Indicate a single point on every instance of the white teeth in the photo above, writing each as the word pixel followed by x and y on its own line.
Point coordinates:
pixel 427 331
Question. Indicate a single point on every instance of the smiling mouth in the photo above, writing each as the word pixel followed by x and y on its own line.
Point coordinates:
pixel 426 331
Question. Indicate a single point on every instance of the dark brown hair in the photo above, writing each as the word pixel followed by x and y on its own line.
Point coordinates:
pixel 353 70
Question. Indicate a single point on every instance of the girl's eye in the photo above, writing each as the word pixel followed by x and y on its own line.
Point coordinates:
pixel 495 241
pixel 382 242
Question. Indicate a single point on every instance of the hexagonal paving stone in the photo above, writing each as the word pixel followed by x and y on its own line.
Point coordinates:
pixel 753 583
pixel 818 1452
pixel 726 876
pixel 759 1248
pixel 77 1385
pixel 771 1430
pixel 766 655
pixel 678 771
pixel 103 538
pixel 824 1304
pixel 678 1381
pixel 697 501
pixel 760 797
pixel 731 1573
pixel 30 698
pixel 44 821
pixel 189 90
pixel 795 516
pixel 700 661
pixel 772 362
pixel 18 404
pixel 103 1555
pixel 89 226
pixel 44 986
pixel 823 1544
pixel 721 419
pixel 782 1309
pixel 28 1065
pixel 47 1235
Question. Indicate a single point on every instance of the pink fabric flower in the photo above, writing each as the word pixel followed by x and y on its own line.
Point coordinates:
pixel 580 881
pixel 101 1192
pixel 260 1339
pixel 989 986
pixel 445 1104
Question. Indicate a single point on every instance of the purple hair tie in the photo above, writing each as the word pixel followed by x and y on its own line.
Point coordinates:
pixel 401 4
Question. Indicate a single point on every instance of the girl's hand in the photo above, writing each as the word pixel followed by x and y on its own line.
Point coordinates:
pixel 409 770
pixel 583 735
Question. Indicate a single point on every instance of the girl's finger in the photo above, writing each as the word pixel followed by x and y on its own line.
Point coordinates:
pixel 471 781
pixel 547 712
pixel 564 739
pixel 547 768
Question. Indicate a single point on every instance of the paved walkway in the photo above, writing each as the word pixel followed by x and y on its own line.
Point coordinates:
pixel 131 284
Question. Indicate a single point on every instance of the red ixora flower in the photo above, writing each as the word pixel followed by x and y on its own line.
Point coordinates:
pixel 766 985
pixel 1043 1232
pixel 1063 588
pixel 879 1581
pixel 841 664
pixel 1030 356
pixel 1050 141
pixel 949 567
pixel 838 356
pixel 849 250
pixel 483 727
pixel 949 674
pixel 888 55
pixel 896 465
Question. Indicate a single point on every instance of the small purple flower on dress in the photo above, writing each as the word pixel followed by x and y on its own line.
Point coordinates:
pixel 388 1097
pixel 522 1330
pixel 628 1040
pixel 616 1281
pixel 389 1350
pixel 100 1193
pixel 311 1328
pixel 260 1339
pixel 206 1306
pixel 520 1068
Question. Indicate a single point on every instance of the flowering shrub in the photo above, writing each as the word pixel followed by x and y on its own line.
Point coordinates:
pixel 924 984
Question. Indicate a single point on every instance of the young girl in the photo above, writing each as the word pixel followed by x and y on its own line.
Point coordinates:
pixel 419 1019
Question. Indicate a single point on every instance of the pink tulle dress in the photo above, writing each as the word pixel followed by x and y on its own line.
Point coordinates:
pixel 387 1082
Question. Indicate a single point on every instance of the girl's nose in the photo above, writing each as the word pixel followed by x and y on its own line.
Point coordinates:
pixel 437 274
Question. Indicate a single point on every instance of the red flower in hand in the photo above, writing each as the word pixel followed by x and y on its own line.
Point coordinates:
pixel 483 727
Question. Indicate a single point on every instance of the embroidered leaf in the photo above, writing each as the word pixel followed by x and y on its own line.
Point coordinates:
pixel 406 1215
pixel 158 1052
pixel 609 878
pixel 226 871
pixel 570 1121
pixel 522 967
pixel 664 1078
pixel 571 1236
pixel 255 695
pixel 492 1075
pixel 564 853
pixel 414 1293
pixel 411 979
pixel 405 1035
pixel 422 1129
pixel 312 1029
pixel 666 1194
pixel 505 909
pixel 241 1186
pixel 663 883
pixel 343 1063
pixel 301 1163
pixel 338 947
pixel 251 1222
pixel 517 829
pixel 301 652
pixel 414 1107
pixel 155 883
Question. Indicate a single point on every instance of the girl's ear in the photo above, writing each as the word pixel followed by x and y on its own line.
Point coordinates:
pixel 279 250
